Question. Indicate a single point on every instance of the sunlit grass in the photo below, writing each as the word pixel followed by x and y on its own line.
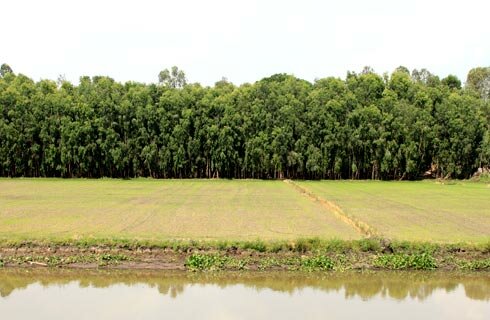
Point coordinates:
pixel 162 209
pixel 416 211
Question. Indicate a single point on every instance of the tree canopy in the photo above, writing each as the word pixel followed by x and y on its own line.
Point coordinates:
pixel 396 126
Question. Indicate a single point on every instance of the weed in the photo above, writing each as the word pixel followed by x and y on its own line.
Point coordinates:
pixel 485 247
pixel 222 245
pixel 337 245
pixel 475 265
pixel 277 246
pixel 116 257
pixel 205 262
pixel 236 264
pixel 303 245
pixel 107 259
pixel 317 263
pixel 268 262
pixel 422 261
pixel 257 245
pixel 409 247
pixel 368 245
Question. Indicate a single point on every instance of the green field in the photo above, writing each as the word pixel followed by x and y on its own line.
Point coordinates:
pixel 146 209
pixel 415 211
pixel 161 210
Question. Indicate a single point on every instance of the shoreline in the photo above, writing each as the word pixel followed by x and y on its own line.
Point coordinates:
pixel 300 255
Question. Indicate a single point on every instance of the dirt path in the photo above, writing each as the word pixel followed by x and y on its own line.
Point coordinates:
pixel 360 226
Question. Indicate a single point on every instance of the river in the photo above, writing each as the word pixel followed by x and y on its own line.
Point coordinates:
pixel 109 294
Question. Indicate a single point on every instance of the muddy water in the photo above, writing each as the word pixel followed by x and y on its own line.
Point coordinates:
pixel 69 294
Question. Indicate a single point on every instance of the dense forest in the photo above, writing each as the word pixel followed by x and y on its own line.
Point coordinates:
pixel 402 125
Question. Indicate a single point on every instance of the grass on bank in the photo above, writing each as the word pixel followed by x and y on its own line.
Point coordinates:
pixel 301 255
pixel 302 245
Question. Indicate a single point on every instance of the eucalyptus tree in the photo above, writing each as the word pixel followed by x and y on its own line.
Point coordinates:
pixel 394 126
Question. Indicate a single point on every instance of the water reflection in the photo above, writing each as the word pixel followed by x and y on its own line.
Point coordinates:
pixel 394 285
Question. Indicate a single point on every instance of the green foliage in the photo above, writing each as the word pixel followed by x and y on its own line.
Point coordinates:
pixel 317 263
pixel 484 177
pixel 475 265
pixel 485 247
pixel 5 69
pixel 421 261
pixel 257 245
pixel 452 82
pixel 205 262
pixel 413 247
pixel 306 245
pixel 277 246
pixel 114 257
pixel 478 80
pixel 368 245
pixel 269 263
pixel 337 245
pixel 365 126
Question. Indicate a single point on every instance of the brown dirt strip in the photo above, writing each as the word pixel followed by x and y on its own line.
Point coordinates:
pixel 360 226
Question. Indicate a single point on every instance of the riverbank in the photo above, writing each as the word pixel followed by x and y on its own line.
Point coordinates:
pixel 303 255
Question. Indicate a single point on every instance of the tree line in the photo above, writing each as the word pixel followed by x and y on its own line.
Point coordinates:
pixel 367 126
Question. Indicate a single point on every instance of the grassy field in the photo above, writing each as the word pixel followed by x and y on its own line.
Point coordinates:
pixel 414 211
pixel 54 209
pixel 146 209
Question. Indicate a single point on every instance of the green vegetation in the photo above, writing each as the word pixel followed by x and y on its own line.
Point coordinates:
pixel 317 263
pixel 397 126
pixel 321 255
pixel 422 261
pixel 201 262
pixel 161 210
pixel 480 264
pixel 259 215
pixel 53 260
pixel 453 211
pixel 213 225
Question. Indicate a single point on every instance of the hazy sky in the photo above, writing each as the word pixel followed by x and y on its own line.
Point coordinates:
pixel 241 40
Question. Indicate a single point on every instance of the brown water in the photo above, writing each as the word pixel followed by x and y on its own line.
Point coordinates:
pixel 69 294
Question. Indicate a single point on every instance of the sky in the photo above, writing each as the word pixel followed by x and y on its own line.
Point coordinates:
pixel 243 41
